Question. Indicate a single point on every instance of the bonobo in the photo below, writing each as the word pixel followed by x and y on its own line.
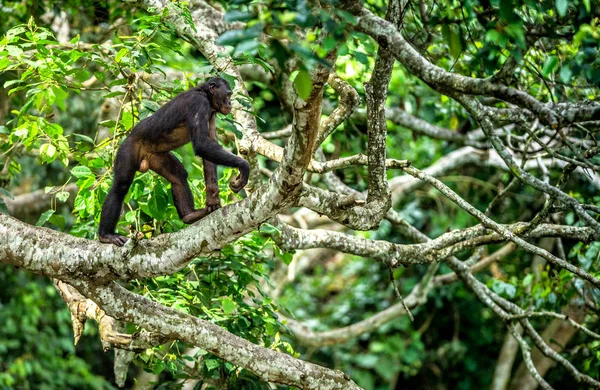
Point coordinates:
pixel 188 117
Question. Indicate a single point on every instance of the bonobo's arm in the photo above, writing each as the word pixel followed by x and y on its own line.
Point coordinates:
pixel 198 125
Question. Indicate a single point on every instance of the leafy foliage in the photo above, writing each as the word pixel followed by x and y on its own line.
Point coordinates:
pixel 36 347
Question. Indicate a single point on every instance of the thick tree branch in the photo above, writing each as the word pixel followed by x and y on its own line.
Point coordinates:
pixel 431 251
pixel 83 309
pixel 267 364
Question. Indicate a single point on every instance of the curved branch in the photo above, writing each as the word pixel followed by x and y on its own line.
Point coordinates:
pixel 474 108
pixel 501 230
pixel 267 364
pixel 349 100
pixel 436 77
pixel 447 244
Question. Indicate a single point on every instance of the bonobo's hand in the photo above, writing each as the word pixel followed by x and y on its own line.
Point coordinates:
pixel 241 180
pixel 116 239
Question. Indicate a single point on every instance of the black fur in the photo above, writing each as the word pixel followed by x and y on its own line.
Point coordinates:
pixel 188 117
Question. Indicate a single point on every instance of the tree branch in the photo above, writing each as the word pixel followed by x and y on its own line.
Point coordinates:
pixel 267 364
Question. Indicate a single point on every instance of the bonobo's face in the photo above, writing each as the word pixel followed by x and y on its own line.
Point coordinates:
pixel 221 94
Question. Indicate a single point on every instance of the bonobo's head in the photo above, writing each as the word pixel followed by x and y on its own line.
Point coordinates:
pixel 219 92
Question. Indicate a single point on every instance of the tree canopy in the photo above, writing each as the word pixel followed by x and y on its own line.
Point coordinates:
pixel 422 210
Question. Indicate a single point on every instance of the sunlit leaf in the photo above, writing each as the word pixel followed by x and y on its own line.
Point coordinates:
pixel 561 6
pixel 81 171
pixel 121 54
pixel 549 66
pixel 228 305
pixel 211 364
pixel 303 84
pixel 48 150
pixel 63 196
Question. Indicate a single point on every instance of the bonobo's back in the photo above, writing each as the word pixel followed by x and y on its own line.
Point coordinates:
pixel 170 116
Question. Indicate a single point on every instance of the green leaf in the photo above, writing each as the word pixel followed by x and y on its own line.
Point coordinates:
pixel 44 218
pixel 561 6
pixel 330 43
pixel 303 84
pixel 108 123
pixel 85 182
pixel 228 305
pixel 11 82
pixel 63 196
pixel 13 32
pixel 14 51
pixel 83 137
pixel 75 39
pixel 233 37
pixel 286 257
pixel 58 220
pixel 113 94
pixel 3 208
pixel 361 57
pixel 587 5
pixel 4 63
pixel 120 54
pixel 247 47
pixel 347 16
pixel 211 364
pixel 5 192
pixel 48 150
pixel 233 128
pixel 453 40
pixel 60 96
pixel 236 15
pixel 504 289
pixel 549 65
pixel 151 105
pixel 160 367
pixel 269 229
pixel 81 171
pixel 565 74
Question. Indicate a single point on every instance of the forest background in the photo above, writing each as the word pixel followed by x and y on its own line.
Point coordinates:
pixel 443 152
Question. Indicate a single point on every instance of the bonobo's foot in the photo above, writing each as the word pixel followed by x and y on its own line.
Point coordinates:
pixel 212 202
pixel 195 215
pixel 238 183
pixel 112 238
pixel 212 207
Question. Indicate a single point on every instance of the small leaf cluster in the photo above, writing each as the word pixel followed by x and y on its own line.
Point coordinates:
pixel 225 289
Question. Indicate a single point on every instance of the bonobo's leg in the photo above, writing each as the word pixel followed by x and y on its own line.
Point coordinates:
pixel 124 171
pixel 211 179
pixel 167 165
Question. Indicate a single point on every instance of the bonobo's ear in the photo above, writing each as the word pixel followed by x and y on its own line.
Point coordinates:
pixel 212 86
